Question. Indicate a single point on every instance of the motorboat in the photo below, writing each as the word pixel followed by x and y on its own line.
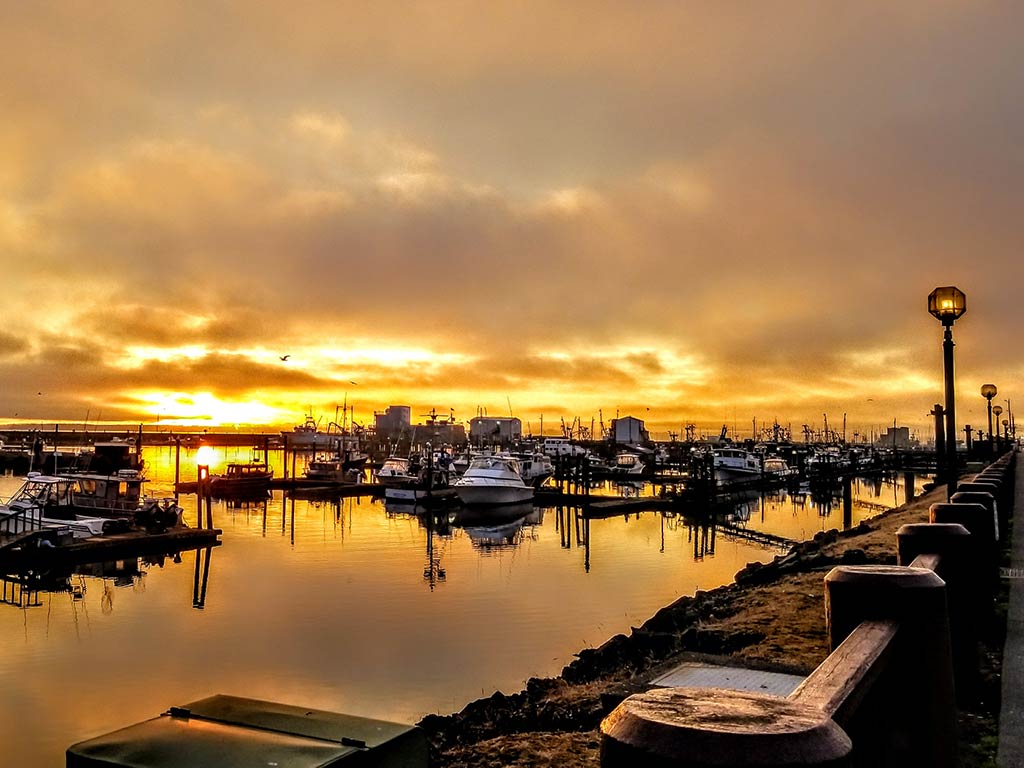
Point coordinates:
pixel 628 463
pixel 535 467
pixel 395 470
pixel 90 504
pixel 732 464
pixel 492 480
pixel 775 465
pixel 242 479
pixel 419 479
pixel 338 467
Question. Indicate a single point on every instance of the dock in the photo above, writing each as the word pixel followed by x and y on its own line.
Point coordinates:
pixel 112 547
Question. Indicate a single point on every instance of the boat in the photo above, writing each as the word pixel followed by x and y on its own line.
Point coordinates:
pixel 308 436
pixel 775 465
pixel 826 462
pixel 534 467
pixel 628 463
pixel 493 480
pixel 419 479
pixel 92 504
pixel 242 478
pixel 732 464
pixel 337 467
pixel 395 470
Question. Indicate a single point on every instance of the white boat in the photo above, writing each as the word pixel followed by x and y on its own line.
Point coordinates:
pixel 628 463
pixel 776 465
pixel 45 501
pixel 732 464
pixel 491 480
pixel 535 467
pixel 395 470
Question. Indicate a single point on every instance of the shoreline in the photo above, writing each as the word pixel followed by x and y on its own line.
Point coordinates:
pixel 770 617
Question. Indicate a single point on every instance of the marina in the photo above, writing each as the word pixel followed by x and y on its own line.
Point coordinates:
pixel 353 604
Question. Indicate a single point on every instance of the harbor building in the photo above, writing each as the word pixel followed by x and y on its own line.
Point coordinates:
pixel 629 430
pixel 394 421
pixel 493 430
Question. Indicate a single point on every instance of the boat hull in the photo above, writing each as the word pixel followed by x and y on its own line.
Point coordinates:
pixel 493 495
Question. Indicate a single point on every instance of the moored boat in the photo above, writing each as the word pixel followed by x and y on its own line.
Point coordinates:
pixel 493 480
pixel 92 504
pixel 732 464
pixel 242 479
pixel 308 436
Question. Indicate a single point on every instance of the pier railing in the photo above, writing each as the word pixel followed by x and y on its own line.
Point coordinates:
pixel 904 650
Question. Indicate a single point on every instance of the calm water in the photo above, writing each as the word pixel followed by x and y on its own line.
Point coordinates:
pixel 351 607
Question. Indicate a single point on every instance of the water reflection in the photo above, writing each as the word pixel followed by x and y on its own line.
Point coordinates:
pixel 26 590
pixel 383 612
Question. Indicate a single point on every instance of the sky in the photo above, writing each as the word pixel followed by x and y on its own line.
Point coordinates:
pixel 716 213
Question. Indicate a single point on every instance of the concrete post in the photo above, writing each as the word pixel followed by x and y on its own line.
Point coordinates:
pixel 960 568
pixel 910 716
pixel 1000 503
pixel 715 728
pixel 981 524
pixel 987 500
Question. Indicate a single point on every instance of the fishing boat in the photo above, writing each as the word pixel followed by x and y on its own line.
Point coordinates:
pixel 493 480
pixel 732 464
pixel 240 478
pixel 307 436
pixel 419 479
pixel 534 467
pixel 91 504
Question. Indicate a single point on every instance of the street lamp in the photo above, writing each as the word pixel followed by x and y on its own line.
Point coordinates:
pixel 1006 432
pixel 946 304
pixel 997 411
pixel 988 391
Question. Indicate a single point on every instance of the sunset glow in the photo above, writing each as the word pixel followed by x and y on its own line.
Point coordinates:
pixel 682 212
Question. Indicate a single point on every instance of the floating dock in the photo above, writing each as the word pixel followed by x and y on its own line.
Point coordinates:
pixel 28 554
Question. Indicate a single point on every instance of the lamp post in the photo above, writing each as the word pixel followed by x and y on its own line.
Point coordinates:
pixel 997 411
pixel 1006 432
pixel 946 304
pixel 988 391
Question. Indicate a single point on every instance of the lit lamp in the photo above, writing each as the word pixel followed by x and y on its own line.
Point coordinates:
pixel 997 411
pixel 946 304
pixel 988 391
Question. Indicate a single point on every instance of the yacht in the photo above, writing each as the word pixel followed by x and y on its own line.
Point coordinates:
pixel 491 480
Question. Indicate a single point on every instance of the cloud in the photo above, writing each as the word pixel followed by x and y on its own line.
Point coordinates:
pixel 703 205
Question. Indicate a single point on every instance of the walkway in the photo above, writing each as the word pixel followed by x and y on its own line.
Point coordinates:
pixel 1011 719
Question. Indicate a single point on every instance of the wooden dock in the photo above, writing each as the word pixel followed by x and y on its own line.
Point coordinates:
pixel 113 547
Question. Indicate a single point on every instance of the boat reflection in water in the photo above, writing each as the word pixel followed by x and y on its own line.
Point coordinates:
pixel 498 528
pixel 26 590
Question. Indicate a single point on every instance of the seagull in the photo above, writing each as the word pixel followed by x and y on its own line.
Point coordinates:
pixel 284 358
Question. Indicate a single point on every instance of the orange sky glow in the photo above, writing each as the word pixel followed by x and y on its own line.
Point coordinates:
pixel 703 212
